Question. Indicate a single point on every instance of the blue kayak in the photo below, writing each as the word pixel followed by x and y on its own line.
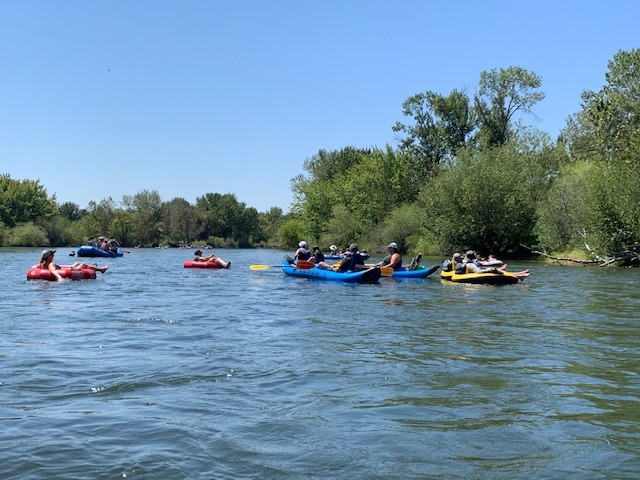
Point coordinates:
pixel 87 251
pixel 370 275
pixel 419 272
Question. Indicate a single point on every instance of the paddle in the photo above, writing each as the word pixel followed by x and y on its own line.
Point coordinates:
pixel 301 265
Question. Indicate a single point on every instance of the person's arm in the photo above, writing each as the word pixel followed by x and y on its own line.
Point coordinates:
pixel 52 269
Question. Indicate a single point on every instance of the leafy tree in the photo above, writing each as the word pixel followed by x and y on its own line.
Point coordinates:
pixel 291 232
pixel 486 200
pixel 70 211
pixel 439 126
pixel 123 227
pixel 103 213
pixel 608 126
pixel 324 166
pixel 24 201
pixel 27 235
pixel 181 221
pixel 146 204
pixel 502 94
pixel 270 223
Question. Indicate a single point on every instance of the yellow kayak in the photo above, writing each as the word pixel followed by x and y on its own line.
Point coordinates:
pixel 490 278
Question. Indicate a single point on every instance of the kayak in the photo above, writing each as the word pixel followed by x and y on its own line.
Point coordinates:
pixel 489 278
pixel 419 272
pixel 194 264
pixel 36 273
pixel 370 275
pixel 87 251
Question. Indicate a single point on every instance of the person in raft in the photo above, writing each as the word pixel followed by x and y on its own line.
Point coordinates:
pixel 394 259
pixel 333 250
pixel 211 258
pixel 46 263
pixel 352 260
pixel 113 245
pixel 303 252
pixel 317 257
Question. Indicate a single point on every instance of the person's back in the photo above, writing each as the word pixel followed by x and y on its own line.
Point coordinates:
pixel 303 252
pixel 352 261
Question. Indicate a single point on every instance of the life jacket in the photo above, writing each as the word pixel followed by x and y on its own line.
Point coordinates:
pixel 303 254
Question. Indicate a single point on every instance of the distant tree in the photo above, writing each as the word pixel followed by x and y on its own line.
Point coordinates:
pixel 608 126
pixel 439 126
pixel 502 94
pixel 181 221
pixel 70 211
pixel 24 201
pixel 146 205
pixel 103 213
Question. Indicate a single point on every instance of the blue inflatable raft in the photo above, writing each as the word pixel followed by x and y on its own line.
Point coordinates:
pixel 87 251
pixel 370 275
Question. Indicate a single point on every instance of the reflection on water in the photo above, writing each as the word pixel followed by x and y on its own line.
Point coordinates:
pixel 156 371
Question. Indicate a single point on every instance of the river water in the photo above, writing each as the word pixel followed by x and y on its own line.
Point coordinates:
pixel 155 371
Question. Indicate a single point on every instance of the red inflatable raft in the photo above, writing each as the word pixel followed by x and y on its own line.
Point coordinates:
pixel 36 273
pixel 193 264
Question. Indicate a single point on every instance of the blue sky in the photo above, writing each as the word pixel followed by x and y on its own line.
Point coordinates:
pixel 108 98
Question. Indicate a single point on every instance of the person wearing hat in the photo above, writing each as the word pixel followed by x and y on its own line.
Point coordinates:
pixel 352 260
pixel 394 259
pixel 333 250
pixel 211 258
pixel 46 263
pixel 303 252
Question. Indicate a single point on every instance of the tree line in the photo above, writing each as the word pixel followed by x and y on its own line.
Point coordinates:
pixel 29 217
pixel 468 172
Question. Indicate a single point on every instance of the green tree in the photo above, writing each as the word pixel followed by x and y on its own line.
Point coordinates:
pixel 70 211
pixel 103 213
pixel 501 95
pixel 486 200
pixel 24 201
pixel 146 205
pixel 181 221
pixel 27 235
pixel 439 125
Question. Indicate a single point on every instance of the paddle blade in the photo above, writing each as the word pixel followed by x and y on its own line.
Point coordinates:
pixel 260 267
pixel 304 265
pixel 386 271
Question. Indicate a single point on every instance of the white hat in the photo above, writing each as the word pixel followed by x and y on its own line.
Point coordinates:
pixel 303 244
pixel 393 245
pixel 333 247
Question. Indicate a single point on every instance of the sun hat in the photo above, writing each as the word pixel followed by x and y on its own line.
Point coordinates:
pixel 47 253
pixel 353 247
pixel 471 254
pixel 393 245
pixel 333 247
pixel 303 244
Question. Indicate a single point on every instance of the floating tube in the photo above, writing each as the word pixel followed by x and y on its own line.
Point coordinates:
pixel 370 275
pixel 87 251
pixel 194 264
pixel 36 273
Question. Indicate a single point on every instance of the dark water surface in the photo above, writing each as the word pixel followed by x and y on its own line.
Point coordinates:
pixel 156 371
